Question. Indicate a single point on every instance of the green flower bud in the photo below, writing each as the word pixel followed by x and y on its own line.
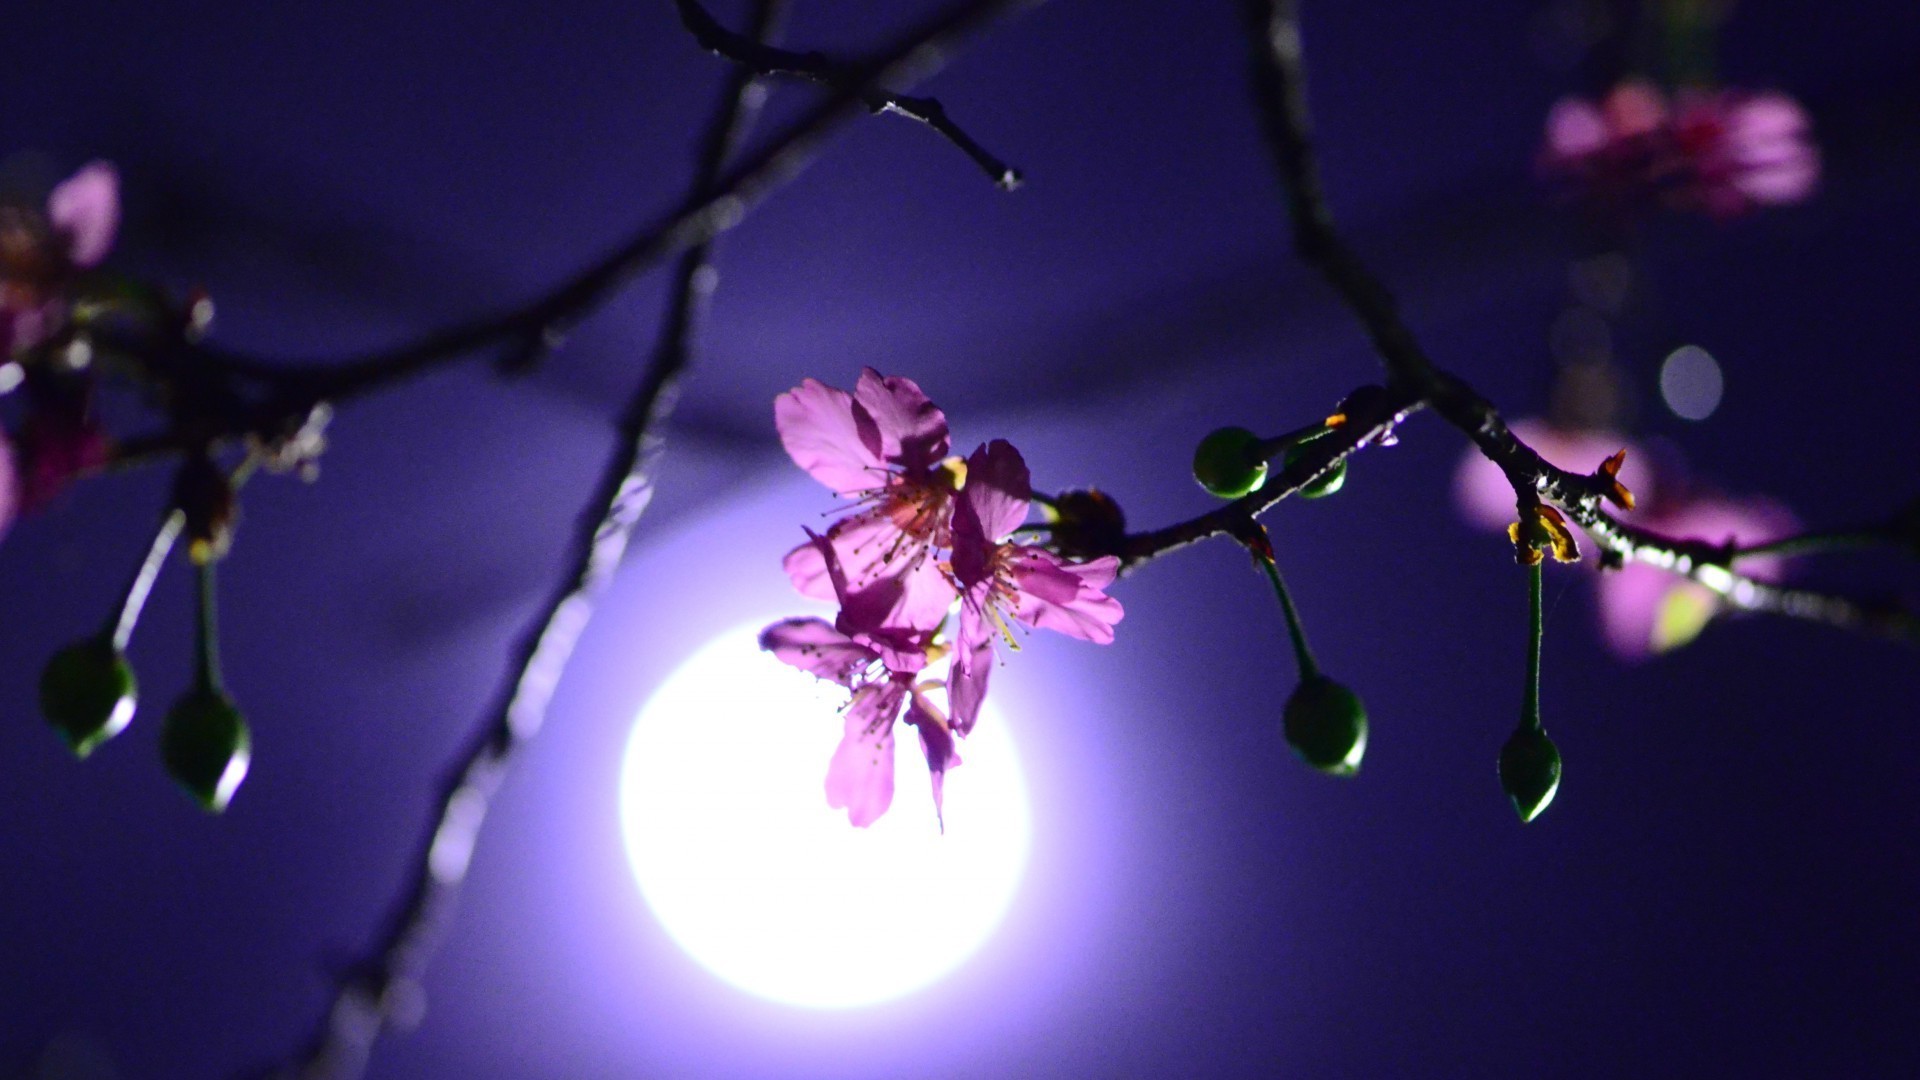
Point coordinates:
pixel 87 693
pixel 1327 726
pixel 206 747
pixel 1327 482
pixel 1530 771
pixel 1227 462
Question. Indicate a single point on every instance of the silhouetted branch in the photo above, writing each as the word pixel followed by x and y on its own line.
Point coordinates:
pixel 818 68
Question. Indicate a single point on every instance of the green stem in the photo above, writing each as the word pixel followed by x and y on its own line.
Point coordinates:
pixel 120 627
pixel 1308 668
pixel 1530 707
pixel 1266 449
pixel 207 641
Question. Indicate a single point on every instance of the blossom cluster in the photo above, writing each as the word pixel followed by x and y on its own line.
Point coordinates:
pixel 1643 609
pixel 927 533
pixel 1719 152
pixel 44 250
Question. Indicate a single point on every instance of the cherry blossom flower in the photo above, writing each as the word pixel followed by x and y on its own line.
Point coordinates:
pixel 998 578
pixel 1721 152
pixel 1645 610
pixel 860 775
pixel 1743 150
pixel 54 448
pixel 885 447
pixel 41 250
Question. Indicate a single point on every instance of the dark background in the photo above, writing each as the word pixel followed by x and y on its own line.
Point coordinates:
pixel 1726 884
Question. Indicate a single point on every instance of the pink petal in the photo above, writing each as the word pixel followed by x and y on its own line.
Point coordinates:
pixel 860 776
pixel 1053 594
pixel 999 487
pixel 814 646
pixel 1634 109
pixel 936 743
pixel 1633 599
pixel 972 663
pixel 1575 129
pixel 913 431
pixel 830 436
pixel 808 571
pixel 86 207
pixel 9 484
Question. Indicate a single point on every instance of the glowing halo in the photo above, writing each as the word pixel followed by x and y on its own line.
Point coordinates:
pixel 751 873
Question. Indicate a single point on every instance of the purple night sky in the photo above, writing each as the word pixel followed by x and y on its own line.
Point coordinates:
pixel 1727 884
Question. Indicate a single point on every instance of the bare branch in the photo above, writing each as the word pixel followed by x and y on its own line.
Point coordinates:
pixel 818 68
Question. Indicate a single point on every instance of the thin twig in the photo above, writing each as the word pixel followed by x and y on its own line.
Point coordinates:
pixel 818 68
pixel 386 981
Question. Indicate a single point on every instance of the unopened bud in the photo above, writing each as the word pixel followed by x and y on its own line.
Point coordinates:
pixel 87 693
pixel 1530 771
pixel 1326 483
pixel 1327 726
pixel 1227 462
pixel 206 747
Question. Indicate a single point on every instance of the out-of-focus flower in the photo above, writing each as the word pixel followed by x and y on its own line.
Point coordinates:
pixel 9 483
pixel 54 449
pixel 860 775
pixel 1720 152
pixel 998 578
pixel 1739 150
pixel 1646 610
pixel 41 250
pixel 1486 498
pixel 885 447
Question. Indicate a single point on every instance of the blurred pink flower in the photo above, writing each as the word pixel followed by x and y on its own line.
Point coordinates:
pixel 41 250
pixel 860 775
pixel 997 578
pixel 1486 499
pixel 1720 152
pixel 1646 610
pixel 53 450
pixel 881 446
pixel 1743 150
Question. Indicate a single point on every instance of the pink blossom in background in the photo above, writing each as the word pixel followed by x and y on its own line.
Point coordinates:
pixel 1720 152
pixel 39 252
pixel 53 451
pixel 881 446
pixel 1486 498
pixel 1645 610
pixel 997 578
pixel 1743 150
pixel 9 484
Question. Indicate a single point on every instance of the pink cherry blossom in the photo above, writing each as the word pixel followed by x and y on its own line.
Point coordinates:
pixel 54 449
pixel 998 578
pixel 1606 149
pixel 882 446
pixel 1646 610
pixel 1486 498
pixel 41 250
pixel 860 774
pixel 1743 150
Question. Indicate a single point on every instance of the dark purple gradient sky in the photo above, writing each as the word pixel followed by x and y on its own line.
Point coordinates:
pixel 1727 884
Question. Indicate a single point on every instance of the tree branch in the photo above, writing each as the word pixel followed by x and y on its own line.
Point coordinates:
pixel 383 985
pixel 818 68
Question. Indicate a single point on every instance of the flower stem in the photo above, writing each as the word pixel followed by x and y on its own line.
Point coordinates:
pixel 1530 706
pixel 207 640
pixel 120 627
pixel 1308 668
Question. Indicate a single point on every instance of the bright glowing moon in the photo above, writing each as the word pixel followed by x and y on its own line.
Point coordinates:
pixel 727 827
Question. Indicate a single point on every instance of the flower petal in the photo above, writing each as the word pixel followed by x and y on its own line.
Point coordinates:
pixel 831 436
pixel 860 776
pixel 913 431
pixel 814 646
pixel 86 207
pixel 972 662
pixel 999 488
pixel 936 743
pixel 1053 594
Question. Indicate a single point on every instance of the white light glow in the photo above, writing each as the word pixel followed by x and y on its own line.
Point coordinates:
pixel 736 851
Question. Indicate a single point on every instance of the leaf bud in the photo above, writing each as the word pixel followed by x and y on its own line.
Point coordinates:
pixel 1323 485
pixel 87 692
pixel 205 745
pixel 1530 771
pixel 1228 464
pixel 1327 726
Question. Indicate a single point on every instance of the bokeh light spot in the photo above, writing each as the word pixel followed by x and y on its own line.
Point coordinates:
pixel 1691 383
